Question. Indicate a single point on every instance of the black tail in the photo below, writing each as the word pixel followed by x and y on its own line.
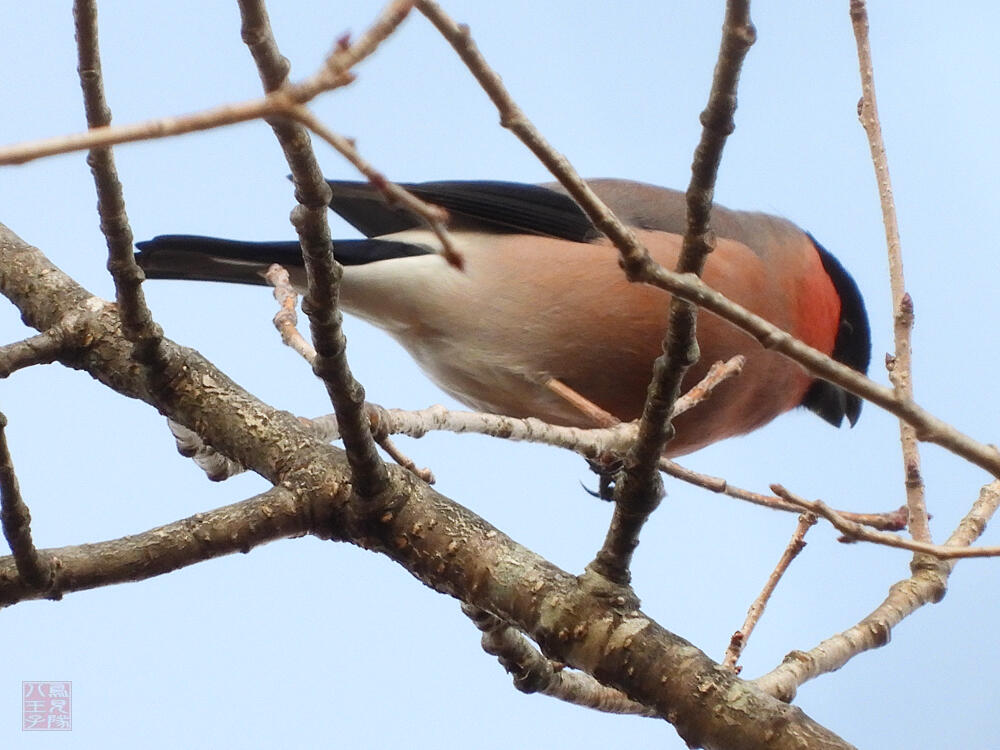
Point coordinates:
pixel 188 256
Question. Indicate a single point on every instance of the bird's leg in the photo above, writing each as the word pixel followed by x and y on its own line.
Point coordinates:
pixel 607 467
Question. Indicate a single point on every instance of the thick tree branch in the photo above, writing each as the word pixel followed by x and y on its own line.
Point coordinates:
pixel 576 621
pixel 275 514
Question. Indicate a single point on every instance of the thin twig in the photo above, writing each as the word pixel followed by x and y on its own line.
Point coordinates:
pixel 434 217
pixel 35 571
pixel 533 673
pixel 322 271
pixel 591 444
pixel 346 53
pixel 421 472
pixel 137 320
pixel 900 365
pixel 894 520
pixel 856 532
pixel 926 585
pixel 717 374
pixel 639 489
pixel 286 319
pixel 334 74
pixel 381 434
pixel 287 102
pixel 597 416
pixel 795 545
pixel 512 118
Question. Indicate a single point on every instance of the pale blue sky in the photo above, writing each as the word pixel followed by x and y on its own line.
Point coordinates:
pixel 312 644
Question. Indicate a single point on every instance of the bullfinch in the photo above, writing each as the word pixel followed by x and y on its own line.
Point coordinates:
pixel 541 296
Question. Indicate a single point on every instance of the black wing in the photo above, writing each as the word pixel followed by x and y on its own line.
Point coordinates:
pixel 488 205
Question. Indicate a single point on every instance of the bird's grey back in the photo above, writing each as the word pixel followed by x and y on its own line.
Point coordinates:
pixel 663 209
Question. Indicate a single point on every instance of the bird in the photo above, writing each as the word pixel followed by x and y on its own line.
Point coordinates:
pixel 541 297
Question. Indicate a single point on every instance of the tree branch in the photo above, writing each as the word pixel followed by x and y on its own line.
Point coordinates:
pixel 137 321
pixel 40 349
pixel 639 489
pixel 927 585
pixel 575 620
pixel 795 545
pixel 322 271
pixel 33 569
pixel 900 365
pixel 856 532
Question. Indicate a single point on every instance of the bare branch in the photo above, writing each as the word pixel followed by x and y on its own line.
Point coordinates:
pixel 856 532
pixel 900 365
pixel 41 349
pixel 36 571
pixel 346 54
pixel 639 489
pixel 381 434
pixel 240 527
pixel 334 74
pixel 286 319
pixel 322 271
pixel 717 374
pixel 165 127
pixel 927 585
pixel 578 619
pixel 591 444
pixel 512 118
pixel 137 321
pixel 433 216
pixel 795 545
pixel 598 416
